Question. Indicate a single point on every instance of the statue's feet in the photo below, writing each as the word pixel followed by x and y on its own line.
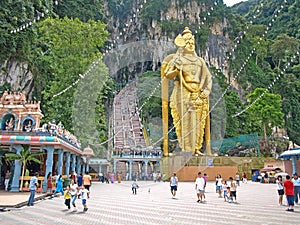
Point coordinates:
pixel 198 153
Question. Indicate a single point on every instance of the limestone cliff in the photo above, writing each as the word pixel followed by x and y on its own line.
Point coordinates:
pixel 137 25
pixel 17 75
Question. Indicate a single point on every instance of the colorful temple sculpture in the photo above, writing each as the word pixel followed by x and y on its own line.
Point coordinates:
pixel 60 151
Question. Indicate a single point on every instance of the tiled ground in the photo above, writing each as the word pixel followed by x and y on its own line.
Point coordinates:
pixel 115 204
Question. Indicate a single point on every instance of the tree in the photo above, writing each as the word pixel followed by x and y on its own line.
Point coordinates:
pixel 24 157
pixel 267 110
pixel 69 46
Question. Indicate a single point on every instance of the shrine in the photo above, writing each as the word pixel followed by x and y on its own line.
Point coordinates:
pixel 16 113
pixel 20 125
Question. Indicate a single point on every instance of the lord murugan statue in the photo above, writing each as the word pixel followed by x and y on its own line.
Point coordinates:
pixel 189 101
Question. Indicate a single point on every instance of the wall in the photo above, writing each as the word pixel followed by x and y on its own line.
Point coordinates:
pixel 189 173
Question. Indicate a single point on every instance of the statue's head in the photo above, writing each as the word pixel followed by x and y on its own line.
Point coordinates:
pixel 189 39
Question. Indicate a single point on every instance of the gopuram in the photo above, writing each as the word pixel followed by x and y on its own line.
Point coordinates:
pixel 189 101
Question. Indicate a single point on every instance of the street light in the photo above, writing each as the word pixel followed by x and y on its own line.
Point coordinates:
pixel 88 153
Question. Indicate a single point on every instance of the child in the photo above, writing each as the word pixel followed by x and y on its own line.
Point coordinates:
pixel 224 187
pixel 67 197
pixel 134 187
pixel 233 187
pixel 228 195
pixel 289 192
pixel 84 195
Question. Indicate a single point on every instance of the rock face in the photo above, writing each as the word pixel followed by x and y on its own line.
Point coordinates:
pixel 132 29
pixel 18 75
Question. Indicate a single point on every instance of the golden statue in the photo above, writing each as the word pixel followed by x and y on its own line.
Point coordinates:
pixel 189 101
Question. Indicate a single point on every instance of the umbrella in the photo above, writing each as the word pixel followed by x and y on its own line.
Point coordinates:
pixel 281 174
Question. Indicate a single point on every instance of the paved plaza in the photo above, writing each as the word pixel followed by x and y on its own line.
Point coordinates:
pixel 115 204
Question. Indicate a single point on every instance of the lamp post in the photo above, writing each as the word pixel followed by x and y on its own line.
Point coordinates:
pixel 88 153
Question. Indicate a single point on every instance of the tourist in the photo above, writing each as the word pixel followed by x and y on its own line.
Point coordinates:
pixel 224 188
pixel 289 192
pixel 32 188
pixel 6 181
pixel 84 195
pixel 74 193
pixel 73 176
pixel 79 180
pixel 205 178
pixel 296 182
pixel 233 187
pixel 134 186
pixel 49 183
pixel 280 189
pixel 219 185
pixel 67 197
pixel 237 178
pixel 199 187
pixel 173 185
pixel 112 178
pixel 245 178
pixel 87 181
pixel 59 186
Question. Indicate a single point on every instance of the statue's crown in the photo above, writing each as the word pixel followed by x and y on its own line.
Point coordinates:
pixel 186 31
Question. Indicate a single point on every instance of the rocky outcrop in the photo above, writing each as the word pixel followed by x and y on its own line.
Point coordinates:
pixel 17 75
pixel 134 29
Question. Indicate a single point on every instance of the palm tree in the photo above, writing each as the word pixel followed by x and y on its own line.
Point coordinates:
pixel 25 157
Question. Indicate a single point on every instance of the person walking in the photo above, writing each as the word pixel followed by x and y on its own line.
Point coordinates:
pixel 296 182
pixel 49 183
pixel 59 186
pixel 6 181
pixel 280 189
pixel 289 192
pixel 134 186
pixel 233 187
pixel 84 196
pixel 79 180
pixel 199 187
pixel 237 178
pixel 173 185
pixel 87 181
pixel 32 188
pixel 67 197
pixel 245 178
pixel 219 185
pixel 74 193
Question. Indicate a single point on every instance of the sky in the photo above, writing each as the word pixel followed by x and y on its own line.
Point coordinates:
pixel 232 2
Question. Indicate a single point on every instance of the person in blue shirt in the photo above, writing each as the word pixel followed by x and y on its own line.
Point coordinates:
pixel 32 188
pixel 173 185
pixel 296 182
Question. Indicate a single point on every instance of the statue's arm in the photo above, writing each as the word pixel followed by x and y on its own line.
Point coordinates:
pixel 208 79
pixel 168 68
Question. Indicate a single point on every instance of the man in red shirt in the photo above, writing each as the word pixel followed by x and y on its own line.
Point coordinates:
pixel 289 192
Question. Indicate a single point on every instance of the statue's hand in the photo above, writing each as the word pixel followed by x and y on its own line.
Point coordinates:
pixel 203 95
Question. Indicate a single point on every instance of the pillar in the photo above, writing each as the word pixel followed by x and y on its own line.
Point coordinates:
pixel 294 161
pixel 73 162
pixel 15 184
pixel 83 169
pixel 1 155
pixel 78 169
pixel 146 168
pixel 60 153
pixel 115 165
pixel 130 169
pixel 100 168
pixel 87 164
pixel 49 164
pixel 67 168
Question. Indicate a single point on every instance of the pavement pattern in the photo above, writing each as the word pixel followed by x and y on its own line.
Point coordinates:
pixel 153 204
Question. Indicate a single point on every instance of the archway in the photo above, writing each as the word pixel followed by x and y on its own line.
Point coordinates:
pixel 8 122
